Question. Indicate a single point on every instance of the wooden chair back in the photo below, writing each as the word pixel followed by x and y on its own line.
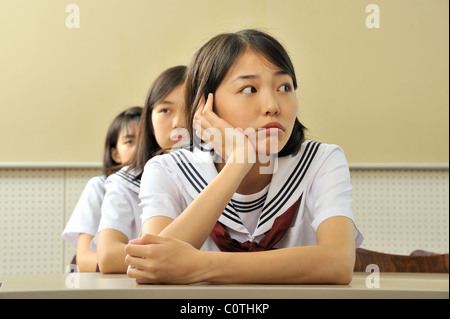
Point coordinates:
pixel 416 262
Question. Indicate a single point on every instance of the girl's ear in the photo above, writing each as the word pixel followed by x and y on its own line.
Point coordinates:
pixel 115 156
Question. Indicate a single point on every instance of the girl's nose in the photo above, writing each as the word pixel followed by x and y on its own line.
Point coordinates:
pixel 270 105
pixel 178 120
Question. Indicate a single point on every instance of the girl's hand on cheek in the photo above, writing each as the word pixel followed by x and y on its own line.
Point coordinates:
pixel 228 142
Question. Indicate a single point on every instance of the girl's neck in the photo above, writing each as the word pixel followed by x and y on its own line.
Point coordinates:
pixel 255 180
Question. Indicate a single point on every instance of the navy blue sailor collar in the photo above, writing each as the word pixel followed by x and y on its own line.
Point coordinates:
pixel 126 177
pixel 196 170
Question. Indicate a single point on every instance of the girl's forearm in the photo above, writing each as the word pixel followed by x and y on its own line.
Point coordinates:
pixel 86 261
pixel 86 258
pixel 111 251
pixel 113 260
pixel 330 261
pixel 307 264
pixel 195 224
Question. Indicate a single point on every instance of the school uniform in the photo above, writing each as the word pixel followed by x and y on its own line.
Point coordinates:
pixel 120 208
pixel 85 217
pixel 306 189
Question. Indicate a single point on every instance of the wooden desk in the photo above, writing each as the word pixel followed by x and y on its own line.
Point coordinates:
pixel 96 285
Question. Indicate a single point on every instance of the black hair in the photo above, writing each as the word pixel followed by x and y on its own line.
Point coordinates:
pixel 212 61
pixel 120 122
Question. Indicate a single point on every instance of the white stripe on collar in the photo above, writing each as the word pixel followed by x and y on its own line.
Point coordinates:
pixel 127 178
pixel 286 186
pixel 197 170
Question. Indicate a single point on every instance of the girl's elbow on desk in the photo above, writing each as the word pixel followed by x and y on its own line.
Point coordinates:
pixel 87 262
pixel 111 251
pixel 110 263
pixel 341 268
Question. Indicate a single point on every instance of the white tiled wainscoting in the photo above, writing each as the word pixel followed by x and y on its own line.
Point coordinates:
pixel 398 210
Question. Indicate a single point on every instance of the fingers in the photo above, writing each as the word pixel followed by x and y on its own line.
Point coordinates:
pixel 140 254
pixel 209 104
pixel 200 108
pixel 144 246
pixel 205 109
pixel 208 113
pixel 136 262
pixel 163 260
pixel 136 250
pixel 212 129
pixel 141 276
pixel 198 118
pixel 147 239
pixel 203 119
pixel 146 262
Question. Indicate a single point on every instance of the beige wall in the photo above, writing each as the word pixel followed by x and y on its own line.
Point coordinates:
pixel 380 93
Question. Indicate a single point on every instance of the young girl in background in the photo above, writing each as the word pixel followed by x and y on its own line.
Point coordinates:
pixel 161 128
pixel 227 216
pixel 84 221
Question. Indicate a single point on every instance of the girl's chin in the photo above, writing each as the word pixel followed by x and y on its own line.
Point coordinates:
pixel 270 146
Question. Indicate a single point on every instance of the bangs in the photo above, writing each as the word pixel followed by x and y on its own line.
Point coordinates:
pixel 129 126
pixel 270 49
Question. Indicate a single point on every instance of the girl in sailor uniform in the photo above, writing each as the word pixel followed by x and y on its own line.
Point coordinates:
pixel 260 205
pixel 83 223
pixel 159 129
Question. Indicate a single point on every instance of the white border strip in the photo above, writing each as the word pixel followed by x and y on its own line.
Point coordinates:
pixel 395 166
pixel 50 165
pixel 400 166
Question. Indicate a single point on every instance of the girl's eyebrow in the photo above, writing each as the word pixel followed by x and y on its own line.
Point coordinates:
pixel 281 72
pixel 166 102
pixel 163 103
pixel 246 77
pixel 256 76
pixel 128 136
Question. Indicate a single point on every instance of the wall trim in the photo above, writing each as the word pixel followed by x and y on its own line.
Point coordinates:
pixel 353 166
pixel 20 165
pixel 400 166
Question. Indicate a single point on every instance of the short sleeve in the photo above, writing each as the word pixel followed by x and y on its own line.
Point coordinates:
pixel 330 194
pixel 159 194
pixel 86 216
pixel 117 211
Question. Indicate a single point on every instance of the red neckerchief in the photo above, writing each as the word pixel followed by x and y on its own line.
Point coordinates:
pixel 281 224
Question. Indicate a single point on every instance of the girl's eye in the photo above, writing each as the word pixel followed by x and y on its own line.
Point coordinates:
pixel 285 88
pixel 165 111
pixel 248 90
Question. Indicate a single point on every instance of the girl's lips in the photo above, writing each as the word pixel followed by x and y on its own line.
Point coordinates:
pixel 272 127
pixel 176 137
pixel 273 130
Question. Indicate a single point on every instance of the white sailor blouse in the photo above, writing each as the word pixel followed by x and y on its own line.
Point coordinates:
pixel 120 208
pixel 305 189
pixel 85 217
